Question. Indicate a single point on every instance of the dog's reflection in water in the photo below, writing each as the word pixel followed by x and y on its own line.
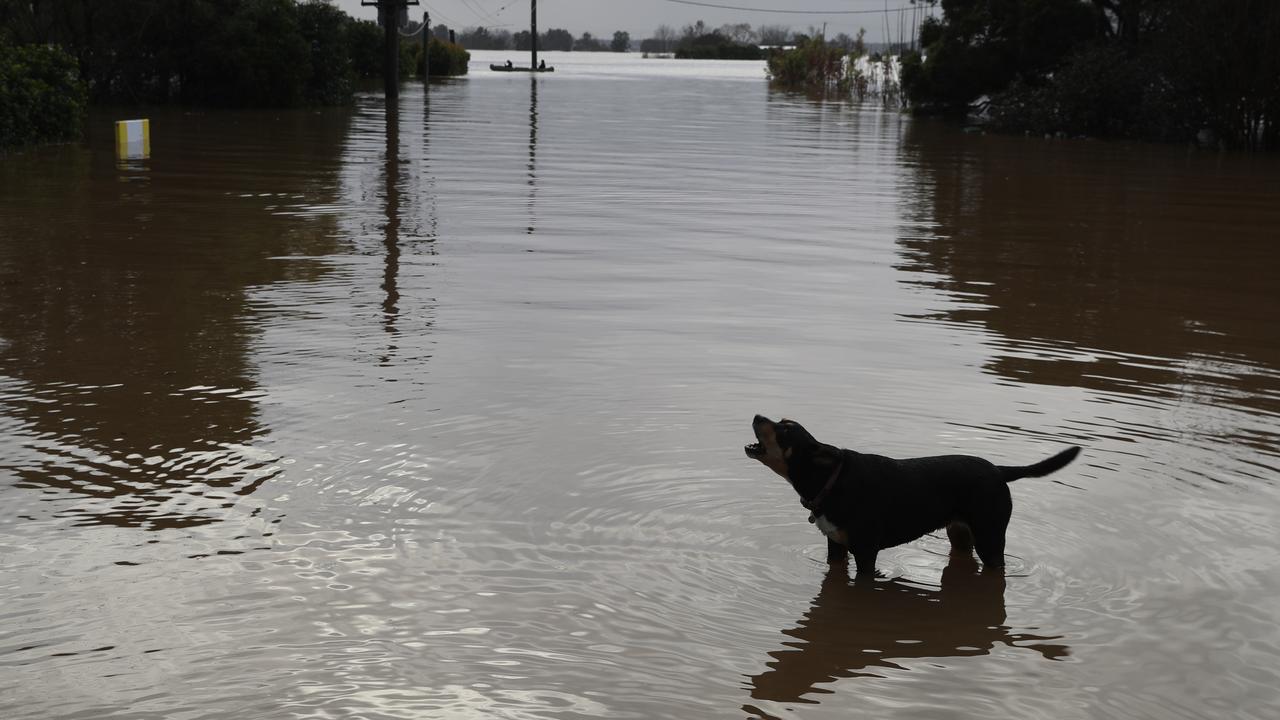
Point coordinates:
pixel 857 628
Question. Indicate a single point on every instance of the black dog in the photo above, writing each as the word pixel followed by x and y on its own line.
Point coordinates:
pixel 865 503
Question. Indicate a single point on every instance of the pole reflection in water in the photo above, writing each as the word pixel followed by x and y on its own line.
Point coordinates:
pixel 426 179
pixel 533 148
pixel 391 271
pixel 861 627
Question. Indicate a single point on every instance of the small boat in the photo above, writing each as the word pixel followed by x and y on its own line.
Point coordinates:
pixel 519 68
pixel 534 65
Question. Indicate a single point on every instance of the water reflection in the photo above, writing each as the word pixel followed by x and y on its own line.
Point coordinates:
pixel 125 368
pixel 1103 266
pixel 863 627
pixel 428 199
pixel 533 150
pixel 534 511
pixel 391 270
pixel 386 221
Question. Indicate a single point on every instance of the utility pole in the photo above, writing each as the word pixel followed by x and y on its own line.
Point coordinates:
pixel 391 38
pixel 389 12
pixel 533 29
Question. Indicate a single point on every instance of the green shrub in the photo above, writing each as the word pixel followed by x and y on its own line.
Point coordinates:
pixel 324 27
pixel 981 46
pixel 211 52
pixel 1099 91
pixel 912 74
pixel 407 65
pixel 724 51
pixel 1105 92
pixel 257 56
pixel 446 58
pixel 813 66
pixel 42 98
pixel 364 45
pixel 1170 70
pixel 714 46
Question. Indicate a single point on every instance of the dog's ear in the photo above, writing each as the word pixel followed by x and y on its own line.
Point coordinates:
pixel 826 457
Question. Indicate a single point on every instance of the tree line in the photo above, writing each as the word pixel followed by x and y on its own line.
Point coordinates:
pixel 58 55
pixel 1170 70
pixel 482 38
pixel 665 38
pixel 222 52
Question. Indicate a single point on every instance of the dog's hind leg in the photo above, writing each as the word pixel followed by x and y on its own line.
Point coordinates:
pixel 865 561
pixel 989 541
pixel 988 522
pixel 961 538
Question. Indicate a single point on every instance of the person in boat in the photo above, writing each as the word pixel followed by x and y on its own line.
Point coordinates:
pixel 542 64
pixel 508 64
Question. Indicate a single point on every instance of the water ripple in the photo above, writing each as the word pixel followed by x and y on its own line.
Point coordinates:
pixel 439 410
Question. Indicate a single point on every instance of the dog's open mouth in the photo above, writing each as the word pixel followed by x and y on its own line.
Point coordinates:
pixel 755 450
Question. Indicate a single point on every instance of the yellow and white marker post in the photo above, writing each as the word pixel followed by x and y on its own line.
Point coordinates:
pixel 133 139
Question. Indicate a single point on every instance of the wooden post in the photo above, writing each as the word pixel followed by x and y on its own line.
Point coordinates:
pixel 533 29
pixel 391 65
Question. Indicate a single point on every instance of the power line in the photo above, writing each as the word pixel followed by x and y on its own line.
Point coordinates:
pixel 441 16
pixel 491 22
pixel 476 10
pixel 794 12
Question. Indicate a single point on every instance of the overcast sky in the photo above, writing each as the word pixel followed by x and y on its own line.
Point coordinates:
pixel 639 17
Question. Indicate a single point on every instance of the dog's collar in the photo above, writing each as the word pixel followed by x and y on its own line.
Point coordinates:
pixel 814 506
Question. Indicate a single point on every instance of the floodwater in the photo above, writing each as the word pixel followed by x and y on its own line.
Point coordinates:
pixel 440 412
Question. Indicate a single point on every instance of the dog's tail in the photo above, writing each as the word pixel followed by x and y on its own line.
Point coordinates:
pixel 1042 468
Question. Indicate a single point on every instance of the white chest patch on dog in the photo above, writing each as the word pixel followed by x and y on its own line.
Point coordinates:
pixel 827 527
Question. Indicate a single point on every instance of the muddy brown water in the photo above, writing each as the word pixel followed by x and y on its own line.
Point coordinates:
pixel 439 413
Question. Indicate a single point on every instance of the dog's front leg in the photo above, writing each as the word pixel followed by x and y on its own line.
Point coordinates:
pixel 837 554
pixel 865 559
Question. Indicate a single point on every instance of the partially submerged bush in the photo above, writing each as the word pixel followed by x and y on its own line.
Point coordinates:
pixel 813 66
pixel 445 58
pixel 329 81
pixel 365 46
pixel 981 46
pixel 714 46
pixel 1169 70
pixel 42 98
pixel 1099 91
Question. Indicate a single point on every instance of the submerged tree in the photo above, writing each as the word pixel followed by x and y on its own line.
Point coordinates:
pixel 813 66
pixel 1165 70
